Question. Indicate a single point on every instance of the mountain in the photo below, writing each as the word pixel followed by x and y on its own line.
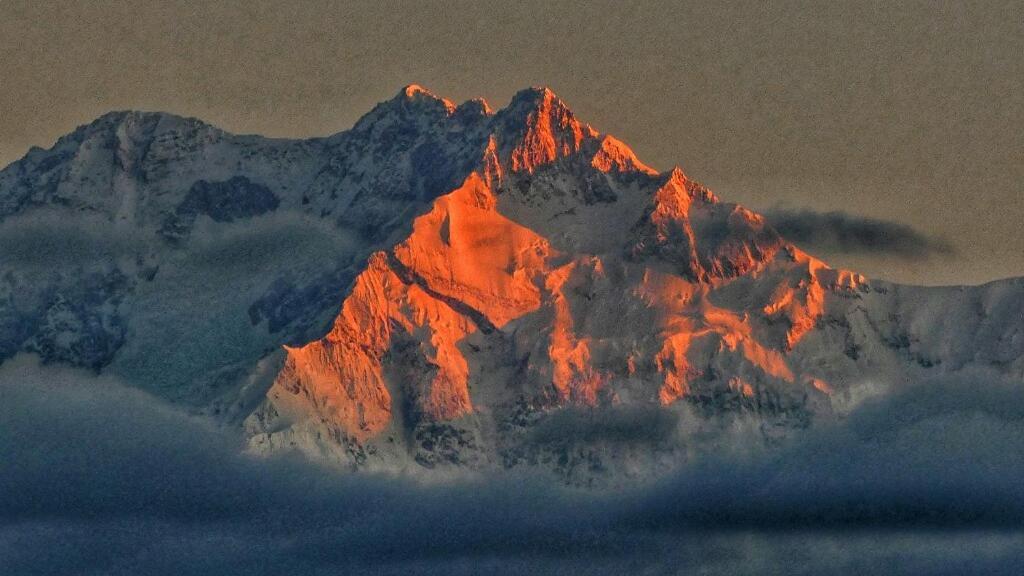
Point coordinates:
pixel 450 287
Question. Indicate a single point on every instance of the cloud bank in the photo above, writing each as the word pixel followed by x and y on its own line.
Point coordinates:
pixel 844 233
pixel 100 479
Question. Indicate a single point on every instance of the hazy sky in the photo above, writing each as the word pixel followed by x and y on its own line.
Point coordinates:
pixel 903 111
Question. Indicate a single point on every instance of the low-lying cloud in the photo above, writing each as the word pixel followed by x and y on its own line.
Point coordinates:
pixel 946 453
pixel 97 478
pixel 56 238
pixel 844 233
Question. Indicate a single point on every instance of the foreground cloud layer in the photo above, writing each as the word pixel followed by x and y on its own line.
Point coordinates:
pixel 97 478
pixel 841 232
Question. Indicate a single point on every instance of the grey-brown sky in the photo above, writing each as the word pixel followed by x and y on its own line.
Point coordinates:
pixel 902 111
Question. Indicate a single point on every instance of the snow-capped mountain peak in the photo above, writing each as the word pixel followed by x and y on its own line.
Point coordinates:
pixel 433 286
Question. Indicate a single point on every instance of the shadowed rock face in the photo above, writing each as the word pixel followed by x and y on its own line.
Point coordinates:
pixel 226 201
pixel 442 284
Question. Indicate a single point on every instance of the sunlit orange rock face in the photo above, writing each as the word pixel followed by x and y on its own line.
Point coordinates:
pixel 548 130
pixel 465 268
pixel 563 271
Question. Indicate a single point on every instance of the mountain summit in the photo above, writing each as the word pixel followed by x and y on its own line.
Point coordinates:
pixel 450 286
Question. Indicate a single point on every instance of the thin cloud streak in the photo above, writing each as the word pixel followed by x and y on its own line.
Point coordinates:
pixel 845 233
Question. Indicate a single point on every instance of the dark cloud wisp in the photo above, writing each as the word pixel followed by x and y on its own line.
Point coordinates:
pixel 844 233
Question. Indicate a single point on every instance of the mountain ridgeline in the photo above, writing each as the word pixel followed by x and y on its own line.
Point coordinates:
pixel 449 287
